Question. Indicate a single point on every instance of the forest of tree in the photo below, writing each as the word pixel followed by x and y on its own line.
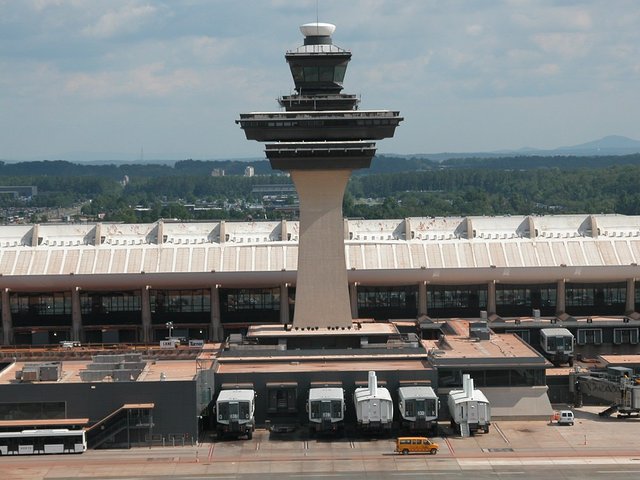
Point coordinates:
pixel 394 187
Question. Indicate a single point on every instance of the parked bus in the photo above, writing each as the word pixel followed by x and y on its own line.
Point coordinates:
pixel 35 442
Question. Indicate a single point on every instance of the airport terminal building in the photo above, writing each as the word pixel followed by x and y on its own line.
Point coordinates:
pixel 416 287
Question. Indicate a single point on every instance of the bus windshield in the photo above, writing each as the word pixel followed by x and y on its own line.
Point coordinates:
pixel 233 411
pixel 326 409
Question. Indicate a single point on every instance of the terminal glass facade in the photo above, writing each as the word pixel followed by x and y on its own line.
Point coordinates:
pixel 521 300
pixel 180 306
pixel 111 308
pixel 446 301
pixel 383 303
pixel 511 377
pixel 32 410
pixel 595 298
pixel 250 305
pixel 41 309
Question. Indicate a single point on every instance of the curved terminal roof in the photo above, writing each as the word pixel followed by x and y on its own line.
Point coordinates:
pixel 402 251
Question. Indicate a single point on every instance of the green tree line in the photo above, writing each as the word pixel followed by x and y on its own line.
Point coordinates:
pixel 426 188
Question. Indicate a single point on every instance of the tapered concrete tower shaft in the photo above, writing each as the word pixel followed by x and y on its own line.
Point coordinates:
pixel 322 294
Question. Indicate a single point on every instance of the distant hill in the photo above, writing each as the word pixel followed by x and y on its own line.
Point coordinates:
pixel 609 145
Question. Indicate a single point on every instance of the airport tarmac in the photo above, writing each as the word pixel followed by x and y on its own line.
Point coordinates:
pixel 608 443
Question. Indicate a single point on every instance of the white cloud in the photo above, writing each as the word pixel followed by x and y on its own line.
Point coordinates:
pixel 549 18
pixel 146 80
pixel 475 30
pixel 127 19
pixel 567 45
pixel 548 69
pixel 40 5
pixel 209 49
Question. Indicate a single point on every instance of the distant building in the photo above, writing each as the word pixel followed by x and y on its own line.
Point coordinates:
pixel 19 191
pixel 217 172
pixel 249 171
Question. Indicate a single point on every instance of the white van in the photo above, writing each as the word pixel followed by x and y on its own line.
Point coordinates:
pixel 565 417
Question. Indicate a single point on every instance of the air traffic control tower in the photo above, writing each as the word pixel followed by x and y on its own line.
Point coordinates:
pixel 320 138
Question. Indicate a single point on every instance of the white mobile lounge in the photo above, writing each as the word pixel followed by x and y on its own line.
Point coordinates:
pixel 418 407
pixel 235 410
pixel 374 407
pixel 469 408
pixel 326 409
pixel 557 345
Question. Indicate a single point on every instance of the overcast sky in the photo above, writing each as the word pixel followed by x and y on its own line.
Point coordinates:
pixel 91 78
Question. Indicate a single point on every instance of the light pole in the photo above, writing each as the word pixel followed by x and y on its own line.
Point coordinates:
pixel 170 327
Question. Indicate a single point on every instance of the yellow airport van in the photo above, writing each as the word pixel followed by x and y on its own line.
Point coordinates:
pixel 407 445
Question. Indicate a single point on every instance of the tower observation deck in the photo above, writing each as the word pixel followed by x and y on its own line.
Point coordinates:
pixel 320 138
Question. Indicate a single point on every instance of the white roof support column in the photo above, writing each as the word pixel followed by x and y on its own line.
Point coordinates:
pixel 469 223
pixel 532 227
pixel 34 235
pixel 7 321
pixel 160 239
pixel 595 230
pixel 97 239
pixel 407 229
pixel 284 303
pixel 146 314
pixel 217 332
pixel 491 297
pixel 223 232
pixel 560 297
pixel 76 315
pixel 353 297
pixel 422 299
pixel 631 296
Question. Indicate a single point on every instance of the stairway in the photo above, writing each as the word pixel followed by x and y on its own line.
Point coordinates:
pixel 128 417
pixel 609 411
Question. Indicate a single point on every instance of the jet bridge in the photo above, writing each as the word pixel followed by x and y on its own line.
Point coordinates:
pixel 617 386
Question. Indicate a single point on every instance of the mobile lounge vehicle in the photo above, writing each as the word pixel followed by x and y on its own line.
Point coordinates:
pixel 557 345
pixel 418 407
pixel 374 407
pixel 235 410
pixel 326 409
pixel 469 408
